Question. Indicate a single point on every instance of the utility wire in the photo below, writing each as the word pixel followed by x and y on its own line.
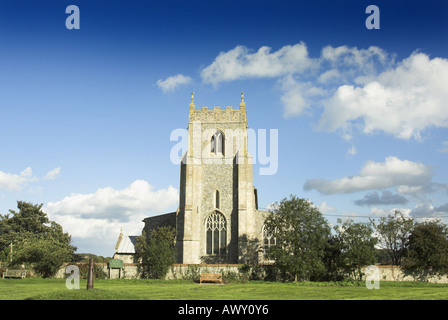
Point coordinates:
pixel 363 216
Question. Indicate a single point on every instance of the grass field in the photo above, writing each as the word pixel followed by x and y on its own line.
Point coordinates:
pixel 55 289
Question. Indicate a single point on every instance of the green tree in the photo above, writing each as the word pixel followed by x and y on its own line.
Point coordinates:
pixel 302 235
pixel 45 255
pixel 428 248
pixel 334 260
pixel 29 222
pixel 156 252
pixel 35 239
pixel 393 233
pixel 358 245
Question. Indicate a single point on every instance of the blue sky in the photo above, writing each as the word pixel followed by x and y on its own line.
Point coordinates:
pixel 86 115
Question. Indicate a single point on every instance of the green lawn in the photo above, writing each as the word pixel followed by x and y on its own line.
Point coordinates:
pixel 55 289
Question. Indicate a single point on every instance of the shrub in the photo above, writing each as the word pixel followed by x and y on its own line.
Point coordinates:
pixel 156 252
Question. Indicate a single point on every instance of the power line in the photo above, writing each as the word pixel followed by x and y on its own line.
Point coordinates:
pixel 377 217
pixel 369 217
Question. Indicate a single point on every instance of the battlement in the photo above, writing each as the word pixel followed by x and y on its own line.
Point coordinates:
pixel 216 108
pixel 217 114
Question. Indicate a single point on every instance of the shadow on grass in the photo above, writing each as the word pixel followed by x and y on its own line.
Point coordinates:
pixel 83 294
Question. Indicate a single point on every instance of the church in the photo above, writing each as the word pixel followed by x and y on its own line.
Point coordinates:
pixel 217 220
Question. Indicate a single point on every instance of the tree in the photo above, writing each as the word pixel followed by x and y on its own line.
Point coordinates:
pixel 393 233
pixel 428 248
pixel 29 222
pixel 302 234
pixel 333 259
pixel 156 252
pixel 358 245
pixel 45 255
pixel 35 239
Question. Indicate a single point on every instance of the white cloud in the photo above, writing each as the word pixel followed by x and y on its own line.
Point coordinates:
pixel 330 75
pixel 297 96
pixel 420 192
pixel 300 74
pixel 240 63
pixel 52 174
pixel 427 209
pixel 351 152
pixel 110 203
pixel 293 100
pixel 94 219
pixel 402 101
pixel 325 208
pixel 444 149
pixel 27 173
pixel 376 175
pixel 377 212
pixel 354 61
pixel 272 206
pixel 15 182
pixel 359 89
pixel 171 83
pixel 97 235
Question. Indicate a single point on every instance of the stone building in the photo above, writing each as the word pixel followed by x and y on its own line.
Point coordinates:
pixel 125 248
pixel 217 220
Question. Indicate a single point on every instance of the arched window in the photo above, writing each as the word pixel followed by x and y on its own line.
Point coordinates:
pixel 216 233
pixel 268 241
pixel 213 145
pixel 217 143
pixel 217 199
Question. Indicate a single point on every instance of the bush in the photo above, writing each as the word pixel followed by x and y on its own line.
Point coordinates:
pixel 156 252
pixel 98 271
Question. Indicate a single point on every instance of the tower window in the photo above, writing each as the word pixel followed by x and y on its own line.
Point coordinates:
pixel 269 241
pixel 216 234
pixel 217 199
pixel 217 143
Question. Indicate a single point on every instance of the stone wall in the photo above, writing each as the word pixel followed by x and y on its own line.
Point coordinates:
pixel 129 270
pixel 192 272
pixel 395 273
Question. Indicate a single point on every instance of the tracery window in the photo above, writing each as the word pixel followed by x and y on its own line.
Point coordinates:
pixel 217 143
pixel 268 241
pixel 216 233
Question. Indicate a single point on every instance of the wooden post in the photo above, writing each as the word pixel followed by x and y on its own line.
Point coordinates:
pixel 90 275
pixel 10 256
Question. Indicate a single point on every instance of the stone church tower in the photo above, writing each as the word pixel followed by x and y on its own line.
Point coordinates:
pixel 217 220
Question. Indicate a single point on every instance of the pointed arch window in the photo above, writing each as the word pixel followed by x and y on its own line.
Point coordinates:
pixel 217 199
pixel 217 143
pixel 216 230
pixel 269 241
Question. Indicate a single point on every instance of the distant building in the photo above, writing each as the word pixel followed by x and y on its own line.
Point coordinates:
pixel 125 248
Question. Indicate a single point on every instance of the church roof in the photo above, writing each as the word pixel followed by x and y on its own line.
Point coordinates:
pixel 126 244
